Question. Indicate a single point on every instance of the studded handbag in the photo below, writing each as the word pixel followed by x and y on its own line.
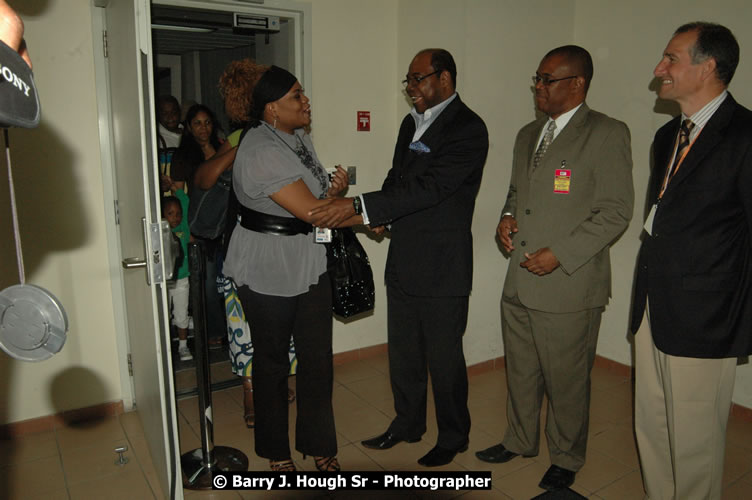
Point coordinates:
pixel 350 274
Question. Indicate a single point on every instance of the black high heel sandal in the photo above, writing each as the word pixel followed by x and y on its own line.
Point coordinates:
pixel 282 465
pixel 326 464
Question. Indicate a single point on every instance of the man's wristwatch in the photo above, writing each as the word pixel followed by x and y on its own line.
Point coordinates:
pixel 357 205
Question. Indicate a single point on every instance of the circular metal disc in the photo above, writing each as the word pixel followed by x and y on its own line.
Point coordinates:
pixel 33 323
pixel 199 476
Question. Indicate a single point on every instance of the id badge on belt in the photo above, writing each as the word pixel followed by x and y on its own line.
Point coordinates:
pixel 322 235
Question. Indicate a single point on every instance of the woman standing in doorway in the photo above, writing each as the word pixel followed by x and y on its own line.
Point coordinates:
pixel 202 160
pixel 280 270
pixel 236 85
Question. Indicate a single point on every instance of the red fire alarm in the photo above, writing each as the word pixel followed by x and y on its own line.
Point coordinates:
pixel 364 121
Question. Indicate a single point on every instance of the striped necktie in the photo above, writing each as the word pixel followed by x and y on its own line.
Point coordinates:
pixel 681 147
pixel 548 138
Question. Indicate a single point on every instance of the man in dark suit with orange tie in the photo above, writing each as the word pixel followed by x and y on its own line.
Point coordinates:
pixel 428 199
pixel 692 310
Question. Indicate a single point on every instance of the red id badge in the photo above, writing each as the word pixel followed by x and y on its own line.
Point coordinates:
pixel 562 180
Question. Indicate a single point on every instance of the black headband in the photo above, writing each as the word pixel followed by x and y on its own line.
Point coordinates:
pixel 274 84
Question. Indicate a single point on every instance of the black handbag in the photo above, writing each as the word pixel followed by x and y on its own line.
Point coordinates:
pixel 207 210
pixel 350 273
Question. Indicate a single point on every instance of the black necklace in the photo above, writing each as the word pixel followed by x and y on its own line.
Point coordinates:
pixel 307 159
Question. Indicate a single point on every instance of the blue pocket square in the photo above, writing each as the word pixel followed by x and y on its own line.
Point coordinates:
pixel 419 147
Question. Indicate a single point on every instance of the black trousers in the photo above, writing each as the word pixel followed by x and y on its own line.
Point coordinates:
pixel 425 336
pixel 308 319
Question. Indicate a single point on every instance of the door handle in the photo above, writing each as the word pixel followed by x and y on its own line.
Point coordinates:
pixel 133 263
pixel 138 262
pixel 154 233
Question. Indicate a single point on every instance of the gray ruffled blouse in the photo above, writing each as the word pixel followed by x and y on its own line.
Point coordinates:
pixel 268 160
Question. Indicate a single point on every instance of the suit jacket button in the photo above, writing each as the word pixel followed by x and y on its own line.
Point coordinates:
pixel 527 211
pixel 522 243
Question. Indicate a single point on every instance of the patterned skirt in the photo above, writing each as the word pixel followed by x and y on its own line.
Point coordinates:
pixel 239 334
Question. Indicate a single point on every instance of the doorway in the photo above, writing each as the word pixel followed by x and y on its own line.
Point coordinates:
pixel 192 45
pixel 125 98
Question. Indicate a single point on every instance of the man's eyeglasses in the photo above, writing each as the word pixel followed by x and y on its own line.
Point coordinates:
pixel 417 79
pixel 546 81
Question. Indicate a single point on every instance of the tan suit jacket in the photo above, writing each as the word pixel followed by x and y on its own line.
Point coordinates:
pixel 577 226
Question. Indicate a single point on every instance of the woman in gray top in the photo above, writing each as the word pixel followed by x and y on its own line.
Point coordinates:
pixel 280 270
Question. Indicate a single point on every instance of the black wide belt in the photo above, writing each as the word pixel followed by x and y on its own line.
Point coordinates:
pixel 272 224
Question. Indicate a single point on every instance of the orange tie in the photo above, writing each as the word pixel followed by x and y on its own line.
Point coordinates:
pixel 684 130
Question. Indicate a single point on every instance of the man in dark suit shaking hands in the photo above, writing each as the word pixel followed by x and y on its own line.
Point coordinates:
pixel 570 197
pixel 427 199
pixel 692 308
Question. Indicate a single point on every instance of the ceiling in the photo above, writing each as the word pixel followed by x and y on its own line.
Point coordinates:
pixel 222 36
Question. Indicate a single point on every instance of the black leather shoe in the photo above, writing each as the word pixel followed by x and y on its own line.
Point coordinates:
pixel 557 478
pixel 385 441
pixel 440 456
pixel 496 454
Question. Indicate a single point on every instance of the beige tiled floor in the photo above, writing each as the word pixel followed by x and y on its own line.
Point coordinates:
pixel 77 462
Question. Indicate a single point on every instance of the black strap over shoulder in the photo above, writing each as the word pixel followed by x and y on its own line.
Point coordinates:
pixel 233 205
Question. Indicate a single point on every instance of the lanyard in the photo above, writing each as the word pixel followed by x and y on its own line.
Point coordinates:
pixel 671 173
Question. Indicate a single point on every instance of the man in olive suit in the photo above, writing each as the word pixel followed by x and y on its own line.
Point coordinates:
pixel 570 197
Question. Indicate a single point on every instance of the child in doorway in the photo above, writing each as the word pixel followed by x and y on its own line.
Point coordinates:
pixel 173 208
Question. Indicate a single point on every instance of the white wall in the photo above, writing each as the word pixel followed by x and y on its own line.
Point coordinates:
pixel 354 69
pixel 58 178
